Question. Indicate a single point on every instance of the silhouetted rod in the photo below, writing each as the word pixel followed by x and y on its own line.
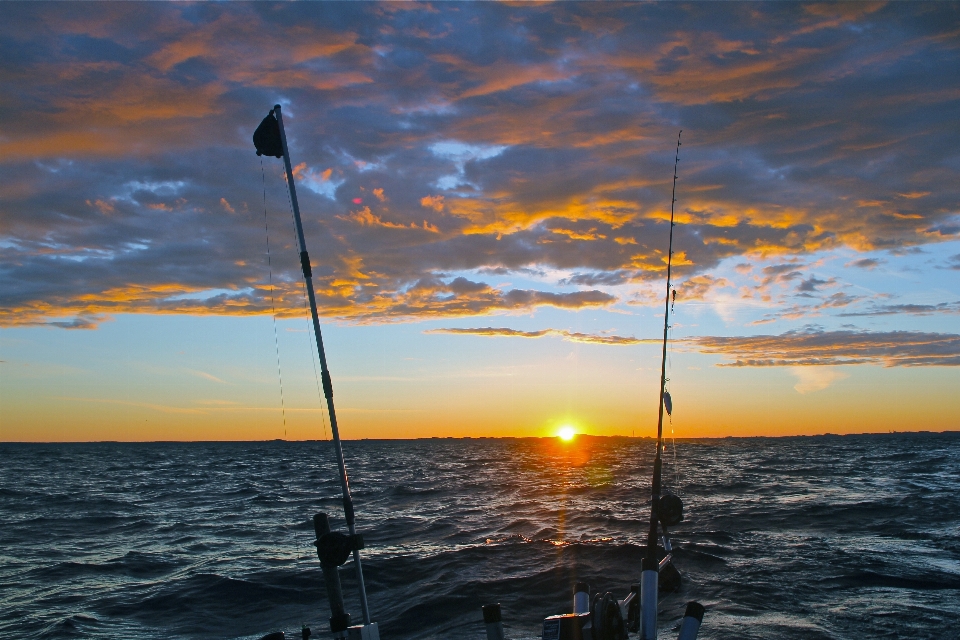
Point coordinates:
pixel 324 371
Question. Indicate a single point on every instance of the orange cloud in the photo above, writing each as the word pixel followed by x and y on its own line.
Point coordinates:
pixel 366 218
pixel 432 202
pixel 568 336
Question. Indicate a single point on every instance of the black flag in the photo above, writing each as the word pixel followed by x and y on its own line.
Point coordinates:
pixel 267 137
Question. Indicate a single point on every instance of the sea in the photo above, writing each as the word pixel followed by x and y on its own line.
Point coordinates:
pixel 802 537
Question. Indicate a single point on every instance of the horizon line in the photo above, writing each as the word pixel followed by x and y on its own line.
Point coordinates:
pixel 579 435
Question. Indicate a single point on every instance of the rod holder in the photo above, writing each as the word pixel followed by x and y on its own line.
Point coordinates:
pixel 581 598
pixel 649 579
pixel 690 626
pixel 492 621
pixel 339 618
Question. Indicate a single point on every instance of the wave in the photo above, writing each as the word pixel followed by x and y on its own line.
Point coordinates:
pixel 842 537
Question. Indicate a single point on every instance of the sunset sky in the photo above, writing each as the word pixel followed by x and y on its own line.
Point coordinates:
pixel 485 190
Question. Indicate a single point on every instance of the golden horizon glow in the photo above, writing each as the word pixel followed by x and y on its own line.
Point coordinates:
pixel 566 433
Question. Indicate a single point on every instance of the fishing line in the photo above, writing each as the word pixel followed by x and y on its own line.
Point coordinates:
pixel 310 342
pixel 673 438
pixel 296 530
pixel 273 304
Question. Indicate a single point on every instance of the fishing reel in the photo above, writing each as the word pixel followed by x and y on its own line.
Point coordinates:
pixel 334 548
pixel 670 510
pixel 607 618
pixel 670 513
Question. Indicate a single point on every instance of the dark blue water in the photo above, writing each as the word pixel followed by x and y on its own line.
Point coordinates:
pixel 826 537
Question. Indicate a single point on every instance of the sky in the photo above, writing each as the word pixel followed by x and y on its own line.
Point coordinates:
pixel 485 191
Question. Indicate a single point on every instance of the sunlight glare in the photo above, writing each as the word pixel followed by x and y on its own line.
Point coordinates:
pixel 566 433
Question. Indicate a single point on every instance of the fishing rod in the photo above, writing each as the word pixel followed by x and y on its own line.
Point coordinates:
pixel 606 617
pixel 333 548
pixel 650 565
pixel 658 461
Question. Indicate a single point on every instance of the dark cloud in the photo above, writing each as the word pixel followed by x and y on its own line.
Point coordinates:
pixel 814 346
pixel 782 273
pixel 451 138
pixel 780 270
pixel 811 284
pixel 838 299
pixel 90 322
pixel 948 230
pixel 602 278
pixel 912 309
pixel 865 263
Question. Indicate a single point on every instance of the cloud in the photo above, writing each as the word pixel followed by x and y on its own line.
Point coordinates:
pixel 812 284
pixel 365 217
pixel 608 278
pixel 144 405
pixel 432 202
pixel 786 271
pixel 838 299
pixel 568 336
pixel 810 348
pixel 508 137
pixel 912 309
pixel 817 347
pixel 432 296
pixel 700 287
pixel 796 349
pixel 204 375
pixel 865 263
pixel 811 379
pixel 80 322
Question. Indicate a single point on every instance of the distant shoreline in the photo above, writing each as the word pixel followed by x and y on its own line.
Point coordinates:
pixel 444 438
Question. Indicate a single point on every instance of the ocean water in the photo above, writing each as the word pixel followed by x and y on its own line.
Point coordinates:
pixel 820 537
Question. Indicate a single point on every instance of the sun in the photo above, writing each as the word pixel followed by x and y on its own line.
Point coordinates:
pixel 566 433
